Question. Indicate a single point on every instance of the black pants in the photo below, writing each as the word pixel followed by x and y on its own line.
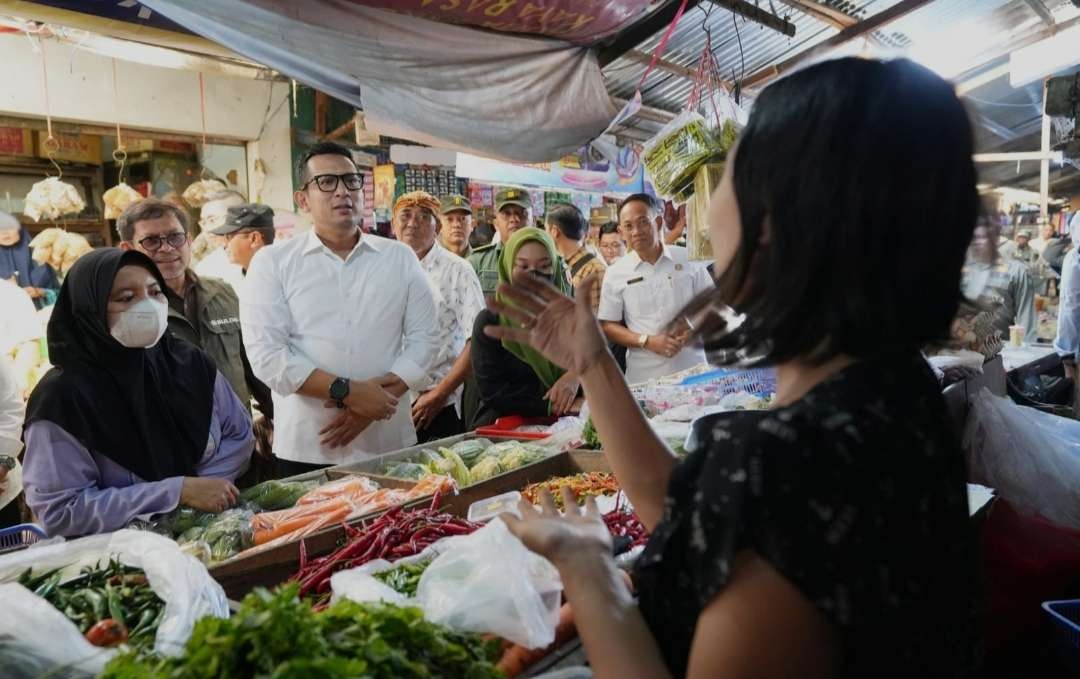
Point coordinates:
pixel 290 468
pixel 446 423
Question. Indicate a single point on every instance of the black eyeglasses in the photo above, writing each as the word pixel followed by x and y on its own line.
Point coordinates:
pixel 176 240
pixel 328 183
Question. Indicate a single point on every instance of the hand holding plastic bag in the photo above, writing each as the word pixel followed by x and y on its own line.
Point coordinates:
pixel 179 580
pixel 1029 457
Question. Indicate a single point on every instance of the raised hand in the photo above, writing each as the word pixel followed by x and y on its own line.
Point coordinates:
pixel 564 330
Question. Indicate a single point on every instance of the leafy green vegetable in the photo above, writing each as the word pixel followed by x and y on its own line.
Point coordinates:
pixel 407 470
pixel 404 579
pixel 471 449
pixel 485 469
pixel 275 634
pixel 455 467
pixel 272 495
pixel 589 437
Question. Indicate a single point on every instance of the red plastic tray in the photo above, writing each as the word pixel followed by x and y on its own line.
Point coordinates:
pixel 508 426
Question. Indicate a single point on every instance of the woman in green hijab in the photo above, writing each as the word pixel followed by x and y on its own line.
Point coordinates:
pixel 515 379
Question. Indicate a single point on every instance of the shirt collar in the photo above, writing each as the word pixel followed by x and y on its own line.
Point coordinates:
pixel 367 241
pixel 577 255
pixel 433 255
pixel 638 261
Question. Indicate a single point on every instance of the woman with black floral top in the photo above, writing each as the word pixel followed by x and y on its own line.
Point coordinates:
pixel 828 536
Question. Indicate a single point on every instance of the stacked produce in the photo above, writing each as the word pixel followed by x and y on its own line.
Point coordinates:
pixel 394 535
pixel 276 634
pixel 275 512
pixel 583 486
pixel 470 461
pixel 110 603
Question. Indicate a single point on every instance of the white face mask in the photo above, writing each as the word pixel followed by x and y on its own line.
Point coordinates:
pixel 142 325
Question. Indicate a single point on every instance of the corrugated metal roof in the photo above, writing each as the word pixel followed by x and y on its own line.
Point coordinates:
pixel 951 36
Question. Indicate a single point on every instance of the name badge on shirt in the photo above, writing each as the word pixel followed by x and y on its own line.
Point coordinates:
pixel 635 280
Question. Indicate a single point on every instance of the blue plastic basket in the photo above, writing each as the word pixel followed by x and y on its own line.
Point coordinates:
pixel 759 381
pixel 1066 619
pixel 17 537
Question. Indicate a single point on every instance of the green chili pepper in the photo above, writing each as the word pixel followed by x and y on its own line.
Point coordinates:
pixel 115 609
pixel 145 620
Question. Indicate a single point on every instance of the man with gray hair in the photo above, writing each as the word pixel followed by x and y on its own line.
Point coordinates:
pixel 204 311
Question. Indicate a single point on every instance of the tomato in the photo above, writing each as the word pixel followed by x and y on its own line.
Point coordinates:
pixel 108 632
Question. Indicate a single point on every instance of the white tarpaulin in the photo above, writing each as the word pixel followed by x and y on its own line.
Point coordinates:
pixel 497 95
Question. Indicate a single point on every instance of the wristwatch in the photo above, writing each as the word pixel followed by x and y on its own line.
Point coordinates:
pixel 642 341
pixel 339 391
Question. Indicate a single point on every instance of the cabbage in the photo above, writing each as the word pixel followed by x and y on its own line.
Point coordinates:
pixel 485 469
pixel 470 451
pixel 407 470
pixel 457 468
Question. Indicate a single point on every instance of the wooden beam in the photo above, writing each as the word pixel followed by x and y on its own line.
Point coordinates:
pixel 657 115
pixel 638 33
pixel 342 129
pixel 758 15
pixel 865 26
pixel 1040 9
pixel 823 13
pixel 661 64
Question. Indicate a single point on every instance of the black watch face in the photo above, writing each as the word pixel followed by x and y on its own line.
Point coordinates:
pixel 339 390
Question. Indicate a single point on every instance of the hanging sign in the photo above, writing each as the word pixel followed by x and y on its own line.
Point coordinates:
pixel 583 171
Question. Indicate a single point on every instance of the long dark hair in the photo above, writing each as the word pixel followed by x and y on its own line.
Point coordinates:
pixel 861 174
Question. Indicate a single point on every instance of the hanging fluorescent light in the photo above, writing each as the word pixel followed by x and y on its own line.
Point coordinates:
pixel 1035 62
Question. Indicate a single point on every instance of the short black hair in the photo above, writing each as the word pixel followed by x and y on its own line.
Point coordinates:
pixel 267 233
pixel 610 227
pixel 650 202
pixel 845 267
pixel 143 210
pixel 323 148
pixel 568 220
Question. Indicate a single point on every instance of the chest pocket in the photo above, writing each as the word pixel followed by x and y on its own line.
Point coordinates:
pixel 657 300
pixel 489 280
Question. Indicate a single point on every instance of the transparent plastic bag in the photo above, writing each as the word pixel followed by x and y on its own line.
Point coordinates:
pixel 360 583
pixel 673 156
pixel 489 582
pixel 31 626
pixel 180 580
pixel 1029 457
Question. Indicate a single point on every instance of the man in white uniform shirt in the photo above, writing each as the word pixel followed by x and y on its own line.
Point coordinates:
pixel 459 300
pixel 644 291
pixel 340 324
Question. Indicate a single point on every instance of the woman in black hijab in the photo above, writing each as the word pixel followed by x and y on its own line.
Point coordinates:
pixel 130 422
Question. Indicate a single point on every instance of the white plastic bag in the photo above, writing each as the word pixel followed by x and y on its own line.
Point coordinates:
pixel 1029 457
pixel 40 629
pixel 360 584
pixel 180 580
pixel 489 582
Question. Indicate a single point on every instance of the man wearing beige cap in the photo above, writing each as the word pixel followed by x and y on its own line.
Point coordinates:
pixel 437 408
pixel 457 224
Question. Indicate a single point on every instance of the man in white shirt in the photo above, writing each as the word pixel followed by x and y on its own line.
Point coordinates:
pixel 437 412
pixel 645 290
pixel 340 324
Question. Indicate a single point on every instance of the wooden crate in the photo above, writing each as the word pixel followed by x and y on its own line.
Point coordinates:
pixel 240 574
pixel 274 566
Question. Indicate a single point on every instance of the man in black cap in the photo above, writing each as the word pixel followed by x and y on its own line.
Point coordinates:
pixel 513 211
pixel 247 229
pixel 456 224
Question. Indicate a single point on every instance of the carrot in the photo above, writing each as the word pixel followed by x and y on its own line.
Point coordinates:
pixel 516 659
pixel 270 525
pixel 348 487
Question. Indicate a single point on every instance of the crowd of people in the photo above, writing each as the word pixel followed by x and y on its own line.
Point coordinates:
pixel 802 540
